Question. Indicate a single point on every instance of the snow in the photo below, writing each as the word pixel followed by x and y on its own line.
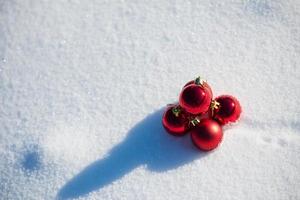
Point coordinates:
pixel 83 86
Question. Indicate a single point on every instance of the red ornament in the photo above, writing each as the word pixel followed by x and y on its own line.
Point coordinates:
pixel 227 109
pixel 175 120
pixel 207 135
pixel 204 83
pixel 196 97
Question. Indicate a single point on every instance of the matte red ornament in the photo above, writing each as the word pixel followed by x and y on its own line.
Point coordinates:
pixel 196 97
pixel 207 135
pixel 175 120
pixel 227 110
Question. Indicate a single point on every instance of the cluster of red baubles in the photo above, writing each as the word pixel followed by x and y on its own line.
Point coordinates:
pixel 201 115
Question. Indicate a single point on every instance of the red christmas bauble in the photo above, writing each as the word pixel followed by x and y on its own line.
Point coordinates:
pixel 195 97
pixel 175 120
pixel 204 83
pixel 207 135
pixel 228 110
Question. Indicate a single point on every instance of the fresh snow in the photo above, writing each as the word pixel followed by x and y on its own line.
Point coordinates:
pixel 83 85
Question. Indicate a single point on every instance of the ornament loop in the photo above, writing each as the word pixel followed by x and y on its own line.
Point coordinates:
pixel 199 81
pixel 176 110
pixel 194 121
pixel 214 105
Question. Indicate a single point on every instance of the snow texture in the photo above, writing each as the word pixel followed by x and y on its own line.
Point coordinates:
pixel 83 85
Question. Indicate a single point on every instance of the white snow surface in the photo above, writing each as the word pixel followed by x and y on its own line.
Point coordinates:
pixel 83 85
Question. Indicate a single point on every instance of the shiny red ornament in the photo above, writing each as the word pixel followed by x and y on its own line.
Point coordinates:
pixel 207 135
pixel 204 83
pixel 175 120
pixel 196 97
pixel 228 109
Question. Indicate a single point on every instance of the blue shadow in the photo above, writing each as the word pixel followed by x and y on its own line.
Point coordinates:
pixel 147 143
pixel 31 161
